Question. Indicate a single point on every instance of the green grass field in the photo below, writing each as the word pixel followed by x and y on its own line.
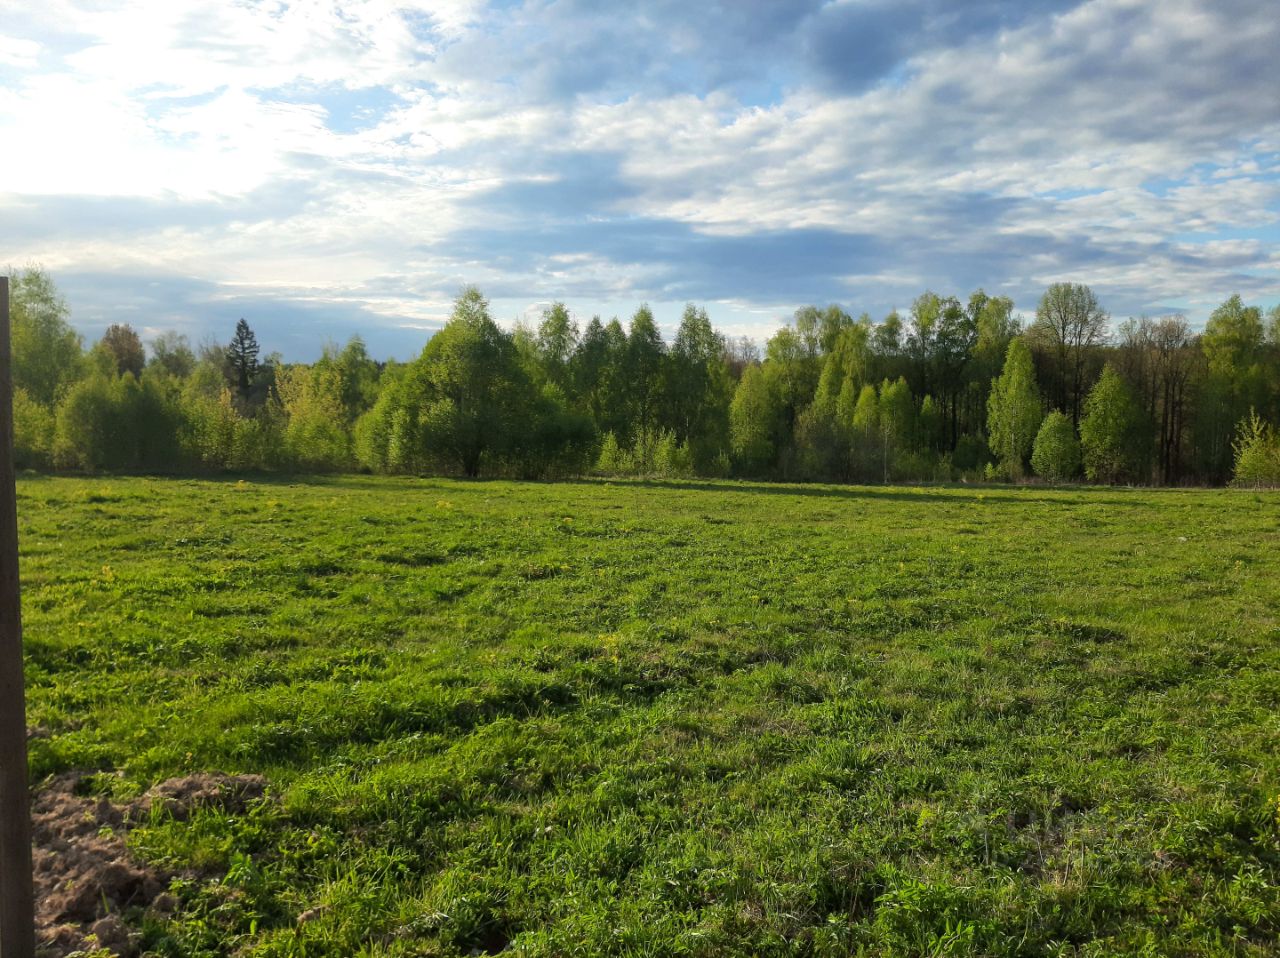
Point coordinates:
pixel 675 718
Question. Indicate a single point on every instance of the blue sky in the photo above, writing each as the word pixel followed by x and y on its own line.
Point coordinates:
pixel 329 168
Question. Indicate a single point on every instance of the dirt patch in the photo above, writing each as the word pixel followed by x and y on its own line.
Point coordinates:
pixel 182 796
pixel 85 877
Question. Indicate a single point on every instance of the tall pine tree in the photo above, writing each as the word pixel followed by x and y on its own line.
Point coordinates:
pixel 242 357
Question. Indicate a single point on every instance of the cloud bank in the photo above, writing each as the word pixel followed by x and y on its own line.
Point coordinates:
pixel 330 168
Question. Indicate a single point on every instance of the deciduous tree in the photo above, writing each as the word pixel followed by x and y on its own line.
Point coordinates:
pixel 47 352
pixel 1055 455
pixel 122 344
pixel 1013 409
pixel 752 418
pixel 1115 434
pixel 1070 325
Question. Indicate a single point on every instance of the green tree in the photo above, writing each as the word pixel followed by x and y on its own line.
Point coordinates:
pixel 832 322
pixel 818 329
pixel 47 354
pixel 381 436
pixel 751 422
pixel 867 452
pixel 820 436
pixel 599 375
pixel 953 344
pixel 994 327
pixel 1157 357
pixel 466 404
pixel 1115 435
pixel 929 426
pixel 897 421
pixel 359 376
pixel 471 387
pixel 171 352
pixel 242 358
pixel 1013 409
pixel 643 371
pixel 1235 382
pixel 824 431
pixel 699 388
pixel 791 371
pixel 887 339
pixel 122 344
pixel 1257 454
pixel 1233 337
pixel 587 371
pixel 315 431
pixel 1070 325
pixel 806 322
pixel 525 340
pixel 1055 455
pixel 33 432
pixel 554 439
pixel 118 423
pixel 557 341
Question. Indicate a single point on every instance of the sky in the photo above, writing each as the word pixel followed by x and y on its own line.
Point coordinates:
pixel 330 168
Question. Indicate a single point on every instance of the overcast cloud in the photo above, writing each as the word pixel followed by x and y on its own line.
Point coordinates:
pixel 326 168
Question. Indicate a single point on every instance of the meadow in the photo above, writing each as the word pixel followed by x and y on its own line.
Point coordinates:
pixel 677 718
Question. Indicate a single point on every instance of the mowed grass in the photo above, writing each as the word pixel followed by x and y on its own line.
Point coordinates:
pixel 675 718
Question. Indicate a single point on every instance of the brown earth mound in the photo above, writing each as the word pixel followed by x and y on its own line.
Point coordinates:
pixel 84 874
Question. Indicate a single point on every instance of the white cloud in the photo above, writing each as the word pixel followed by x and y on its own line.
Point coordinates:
pixel 18 51
pixel 1099 142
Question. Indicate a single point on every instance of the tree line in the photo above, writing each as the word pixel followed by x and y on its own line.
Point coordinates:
pixel 952 390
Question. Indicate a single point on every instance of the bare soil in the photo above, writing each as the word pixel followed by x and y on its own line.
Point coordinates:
pixel 85 877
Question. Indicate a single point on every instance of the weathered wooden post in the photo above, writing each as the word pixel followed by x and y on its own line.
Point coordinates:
pixel 17 901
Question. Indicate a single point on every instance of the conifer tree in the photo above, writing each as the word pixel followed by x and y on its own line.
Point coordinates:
pixel 242 357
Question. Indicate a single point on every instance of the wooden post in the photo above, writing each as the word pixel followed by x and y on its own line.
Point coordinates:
pixel 17 901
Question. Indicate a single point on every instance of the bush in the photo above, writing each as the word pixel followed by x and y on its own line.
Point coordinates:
pixel 215 435
pixel 671 459
pixel 721 466
pixel 555 441
pixel 315 433
pixel 971 453
pixel 1055 455
pixel 118 423
pixel 208 437
pixel 613 460
pixel 1257 454
pixel 33 431
pixel 654 453
pixel 388 437
pixel 912 467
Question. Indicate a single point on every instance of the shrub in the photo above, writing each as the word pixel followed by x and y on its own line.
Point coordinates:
pixel 971 453
pixel 33 431
pixel 554 441
pixel 1257 454
pixel 671 459
pixel 117 423
pixel 912 466
pixel 613 460
pixel 208 437
pixel 654 453
pixel 315 434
